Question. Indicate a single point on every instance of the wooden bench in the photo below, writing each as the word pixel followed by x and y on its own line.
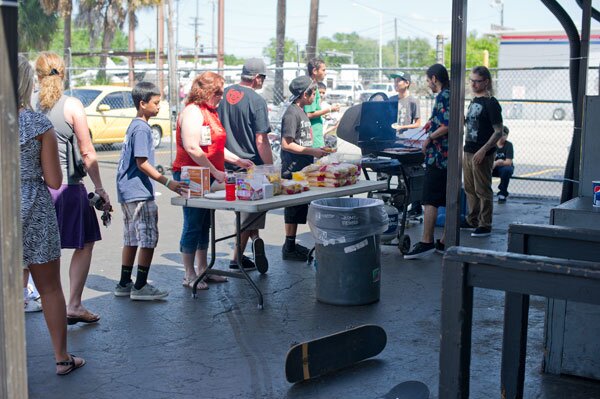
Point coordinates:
pixel 519 276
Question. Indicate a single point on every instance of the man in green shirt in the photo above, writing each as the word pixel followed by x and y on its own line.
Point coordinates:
pixel 317 71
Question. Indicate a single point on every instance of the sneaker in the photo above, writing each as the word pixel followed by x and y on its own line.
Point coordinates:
pixel 299 253
pixel 481 232
pixel 501 199
pixel 147 293
pixel 260 257
pixel 247 264
pixel 32 305
pixel 440 247
pixel 420 250
pixel 123 291
pixel 466 225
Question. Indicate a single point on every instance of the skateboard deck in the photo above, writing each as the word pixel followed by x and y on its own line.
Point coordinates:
pixel 408 390
pixel 332 352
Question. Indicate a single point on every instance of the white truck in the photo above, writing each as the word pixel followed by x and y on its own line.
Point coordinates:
pixel 387 88
pixel 346 93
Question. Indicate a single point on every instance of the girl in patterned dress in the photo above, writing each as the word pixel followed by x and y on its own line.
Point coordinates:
pixel 40 169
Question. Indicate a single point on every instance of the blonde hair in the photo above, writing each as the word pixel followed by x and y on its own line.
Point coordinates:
pixel 25 82
pixel 50 69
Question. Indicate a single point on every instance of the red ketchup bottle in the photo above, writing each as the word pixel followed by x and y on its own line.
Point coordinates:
pixel 230 186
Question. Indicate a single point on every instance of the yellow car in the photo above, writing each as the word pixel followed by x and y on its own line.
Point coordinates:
pixel 109 111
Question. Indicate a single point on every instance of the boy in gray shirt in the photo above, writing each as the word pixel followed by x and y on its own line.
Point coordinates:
pixel 135 192
pixel 409 109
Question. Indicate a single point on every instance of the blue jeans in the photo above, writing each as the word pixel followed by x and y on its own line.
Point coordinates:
pixel 504 173
pixel 196 226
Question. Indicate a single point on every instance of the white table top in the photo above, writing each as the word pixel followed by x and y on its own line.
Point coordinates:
pixel 281 201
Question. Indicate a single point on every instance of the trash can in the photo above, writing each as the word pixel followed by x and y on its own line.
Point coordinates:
pixel 347 249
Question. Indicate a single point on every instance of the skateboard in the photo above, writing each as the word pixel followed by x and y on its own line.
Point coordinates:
pixel 408 390
pixel 332 352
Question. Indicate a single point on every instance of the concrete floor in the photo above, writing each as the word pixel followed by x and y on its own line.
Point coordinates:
pixel 221 346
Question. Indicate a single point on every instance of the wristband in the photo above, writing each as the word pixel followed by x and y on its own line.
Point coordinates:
pixel 98 189
pixel 167 182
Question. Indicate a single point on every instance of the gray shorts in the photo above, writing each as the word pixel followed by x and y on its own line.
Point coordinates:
pixel 140 224
pixel 258 220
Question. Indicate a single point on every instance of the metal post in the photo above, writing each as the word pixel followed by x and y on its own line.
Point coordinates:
pixel 455 133
pixel 279 51
pixel 13 360
pixel 173 75
pixel 196 39
pixel 221 40
pixel 396 58
pixel 380 46
pixel 159 47
pixel 584 52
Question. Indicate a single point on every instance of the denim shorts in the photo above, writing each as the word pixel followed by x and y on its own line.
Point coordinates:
pixel 196 226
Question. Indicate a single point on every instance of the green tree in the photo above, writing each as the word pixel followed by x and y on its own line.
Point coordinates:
pixel 80 40
pixel 290 52
pixel 365 51
pixel 475 47
pixel 412 53
pixel 35 28
pixel 231 59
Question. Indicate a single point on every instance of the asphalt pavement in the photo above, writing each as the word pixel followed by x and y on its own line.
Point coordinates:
pixel 221 345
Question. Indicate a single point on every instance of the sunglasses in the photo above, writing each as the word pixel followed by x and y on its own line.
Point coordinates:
pixel 477 80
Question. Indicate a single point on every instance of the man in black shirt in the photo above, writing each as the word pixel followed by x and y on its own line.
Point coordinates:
pixel 503 165
pixel 244 115
pixel 483 127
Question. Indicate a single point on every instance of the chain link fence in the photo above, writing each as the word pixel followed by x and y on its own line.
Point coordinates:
pixel 536 107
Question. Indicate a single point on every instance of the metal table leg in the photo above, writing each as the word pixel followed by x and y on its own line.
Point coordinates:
pixel 242 274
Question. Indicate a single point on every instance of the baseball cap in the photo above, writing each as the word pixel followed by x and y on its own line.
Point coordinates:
pixel 254 66
pixel 401 75
pixel 299 86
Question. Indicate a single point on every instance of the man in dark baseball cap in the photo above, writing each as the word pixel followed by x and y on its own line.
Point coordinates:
pixel 253 67
pixel 245 118
pixel 299 86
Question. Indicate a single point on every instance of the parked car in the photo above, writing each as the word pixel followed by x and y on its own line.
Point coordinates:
pixel 110 109
pixel 387 88
pixel 344 93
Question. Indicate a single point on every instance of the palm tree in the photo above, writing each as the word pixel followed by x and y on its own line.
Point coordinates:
pixel 36 28
pixel 132 7
pixel 64 8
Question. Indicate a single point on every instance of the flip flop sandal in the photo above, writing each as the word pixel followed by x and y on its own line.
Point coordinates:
pixel 88 317
pixel 71 365
pixel 189 283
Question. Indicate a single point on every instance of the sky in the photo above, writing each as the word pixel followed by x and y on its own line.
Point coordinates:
pixel 249 25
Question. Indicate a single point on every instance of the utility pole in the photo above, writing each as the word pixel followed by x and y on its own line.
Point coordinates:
pixel 195 24
pixel 212 28
pixel 313 23
pixel 408 51
pixel 279 52
pixel 439 49
pixel 173 75
pixel 160 39
pixel 221 39
pixel 396 41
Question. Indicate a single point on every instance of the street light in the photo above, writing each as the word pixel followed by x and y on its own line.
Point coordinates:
pixel 499 4
pixel 380 34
